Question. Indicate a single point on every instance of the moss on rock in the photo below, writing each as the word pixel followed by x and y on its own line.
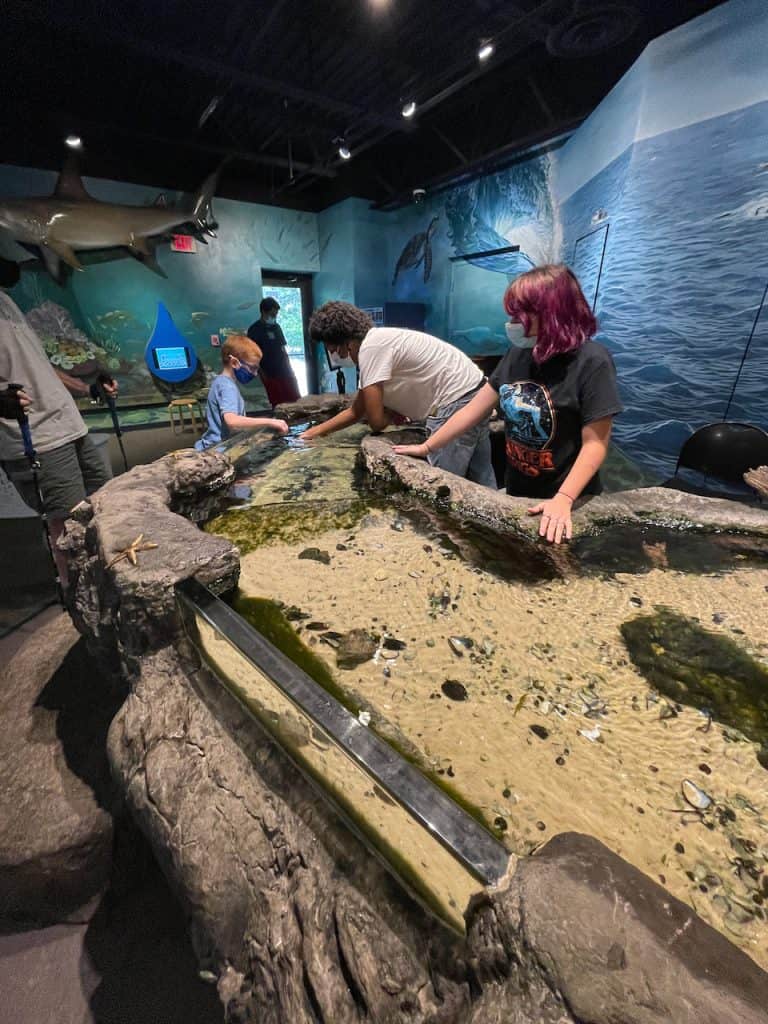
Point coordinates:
pixel 286 523
pixel 698 667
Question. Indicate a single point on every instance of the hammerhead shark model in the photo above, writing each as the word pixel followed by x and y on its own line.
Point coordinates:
pixel 71 221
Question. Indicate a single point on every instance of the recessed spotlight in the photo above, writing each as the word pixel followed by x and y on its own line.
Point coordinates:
pixel 344 151
pixel 409 109
pixel 73 141
pixel 486 50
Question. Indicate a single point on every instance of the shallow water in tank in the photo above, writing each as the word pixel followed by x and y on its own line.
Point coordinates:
pixel 628 700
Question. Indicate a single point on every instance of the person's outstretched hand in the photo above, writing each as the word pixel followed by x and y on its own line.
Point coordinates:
pixel 555 518
pixel 417 451
pixel 279 425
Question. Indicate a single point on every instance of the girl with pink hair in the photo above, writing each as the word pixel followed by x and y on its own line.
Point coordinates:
pixel 556 391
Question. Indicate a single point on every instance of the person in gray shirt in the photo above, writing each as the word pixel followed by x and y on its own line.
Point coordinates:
pixel 70 465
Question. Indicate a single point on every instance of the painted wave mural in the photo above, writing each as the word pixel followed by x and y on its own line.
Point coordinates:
pixel 684 274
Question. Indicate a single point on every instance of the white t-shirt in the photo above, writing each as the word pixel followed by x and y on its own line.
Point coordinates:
pixel 419 373
pixel 53 417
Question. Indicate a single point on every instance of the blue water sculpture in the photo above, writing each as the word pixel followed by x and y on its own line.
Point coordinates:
pixel 168 354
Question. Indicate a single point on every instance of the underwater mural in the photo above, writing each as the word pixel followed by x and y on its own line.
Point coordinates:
pixel 456 237
pixel 675 229
pixel 417 251
pixel 659 203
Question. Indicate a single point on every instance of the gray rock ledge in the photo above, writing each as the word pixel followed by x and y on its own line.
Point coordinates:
pixel 474 503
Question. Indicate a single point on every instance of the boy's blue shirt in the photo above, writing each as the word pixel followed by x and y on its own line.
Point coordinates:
pixel 223 397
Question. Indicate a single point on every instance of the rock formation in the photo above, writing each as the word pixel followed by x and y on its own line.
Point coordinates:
pixel 288 911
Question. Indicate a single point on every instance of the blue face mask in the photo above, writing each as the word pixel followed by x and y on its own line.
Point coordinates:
pixel 244 375
pixel 516 336
pixel 270 319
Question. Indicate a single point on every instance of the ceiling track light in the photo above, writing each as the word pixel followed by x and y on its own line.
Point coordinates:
pixel 209 111
pixel 486 50
pixel 344 150
pixel 73 141
pixel 409 109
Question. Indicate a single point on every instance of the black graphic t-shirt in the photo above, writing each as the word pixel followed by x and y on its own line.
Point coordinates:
pixel 545 407
pixel 271 341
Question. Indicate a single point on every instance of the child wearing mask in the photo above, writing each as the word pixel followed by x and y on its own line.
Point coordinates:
pixel 225 409
pixel 275 372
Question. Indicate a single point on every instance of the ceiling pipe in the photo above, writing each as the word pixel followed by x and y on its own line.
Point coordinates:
pixel 198 145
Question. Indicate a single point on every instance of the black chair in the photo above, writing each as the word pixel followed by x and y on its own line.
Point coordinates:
pixel 724 451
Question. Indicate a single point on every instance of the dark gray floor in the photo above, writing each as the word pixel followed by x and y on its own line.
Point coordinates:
pixel 129 962
pixel 125 959
pixel 148 444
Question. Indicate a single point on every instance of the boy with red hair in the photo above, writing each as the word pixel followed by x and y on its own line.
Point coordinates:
pixel 225 409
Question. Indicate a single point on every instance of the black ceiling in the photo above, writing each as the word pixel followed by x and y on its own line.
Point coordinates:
pixel 282 80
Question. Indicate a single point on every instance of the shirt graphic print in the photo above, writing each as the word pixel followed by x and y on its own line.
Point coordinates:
pixel 530 422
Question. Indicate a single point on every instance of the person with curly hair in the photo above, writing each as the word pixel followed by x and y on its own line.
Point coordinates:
pixel 406 374
pixel 556 389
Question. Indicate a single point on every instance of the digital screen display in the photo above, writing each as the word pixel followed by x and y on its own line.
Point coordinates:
pixel 171 358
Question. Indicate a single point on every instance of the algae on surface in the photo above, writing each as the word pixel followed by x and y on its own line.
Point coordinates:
pixel 269 619
pixel 427 869
pixel 606 757
pixel 251 528
pixel 695 666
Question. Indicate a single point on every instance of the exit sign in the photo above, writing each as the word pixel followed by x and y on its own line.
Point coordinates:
pixel 183 243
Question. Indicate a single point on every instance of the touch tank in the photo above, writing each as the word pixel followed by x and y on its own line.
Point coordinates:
pixel 621 692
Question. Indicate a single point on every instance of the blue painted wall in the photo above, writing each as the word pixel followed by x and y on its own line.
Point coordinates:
pixel 661 197
pixel 686 257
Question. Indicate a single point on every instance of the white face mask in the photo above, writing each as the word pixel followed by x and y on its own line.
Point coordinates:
pixel 516 336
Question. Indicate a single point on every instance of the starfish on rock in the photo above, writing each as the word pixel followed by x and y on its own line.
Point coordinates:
pixel 131 552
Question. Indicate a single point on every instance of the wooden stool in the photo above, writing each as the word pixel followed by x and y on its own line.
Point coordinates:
pixel 177 408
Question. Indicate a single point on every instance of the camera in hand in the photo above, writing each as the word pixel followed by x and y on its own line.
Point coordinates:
pixel 10 403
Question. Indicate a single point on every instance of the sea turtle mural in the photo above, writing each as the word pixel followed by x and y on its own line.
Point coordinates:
pixel 417 249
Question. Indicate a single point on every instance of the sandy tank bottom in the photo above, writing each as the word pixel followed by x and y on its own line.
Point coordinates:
pixel 556 730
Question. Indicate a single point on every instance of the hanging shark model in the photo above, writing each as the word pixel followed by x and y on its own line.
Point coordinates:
pixel 71 221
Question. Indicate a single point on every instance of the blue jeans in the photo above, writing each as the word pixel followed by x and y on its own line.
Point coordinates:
pixel 468 455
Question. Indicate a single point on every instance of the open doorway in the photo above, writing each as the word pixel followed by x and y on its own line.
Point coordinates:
pixel 294 293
